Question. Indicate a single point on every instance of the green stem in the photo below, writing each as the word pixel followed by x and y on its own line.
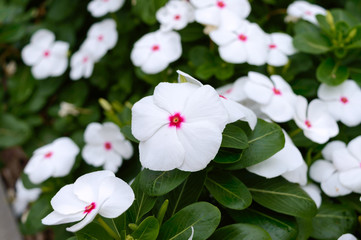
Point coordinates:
pixel 107 228
pixel 295 132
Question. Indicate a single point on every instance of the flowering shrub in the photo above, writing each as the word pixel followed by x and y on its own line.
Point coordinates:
pixel 175 119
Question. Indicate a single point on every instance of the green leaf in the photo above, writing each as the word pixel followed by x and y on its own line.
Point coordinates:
pixel 202 216
pixel 93 231
pixel 312 43
pixel 142 204
pixel 234 137
pixel 146 9
pixel 157 183
pixel 265 140
pixel 340 15
pixel 227 156
pixel 281 196
pixel 12 32
pixel 240 231
pixel 228 190
pixel 278 226
pixel 332 221
pixel 21 85
pixel 331 73
pixel 192 32
pixel 302 27
pixel 127 131
pixel 13 131
pixel 147 230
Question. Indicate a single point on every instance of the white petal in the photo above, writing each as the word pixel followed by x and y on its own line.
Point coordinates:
pixel 162 151
pixel 299 175
pixel 321 170
pixel 201 141
pixel 208 16
pixel 43 68
pixel 351 179
pixel 276 58
pixel 88 219
pixel 185 77
pixel 301 111
pixel 42 173
pixel 66 202
pixel 156 63
pixel 43 38
pixel 237 111
pixel 222 36
pixel 354 146
pixel 55 218
pixel 147 118
pixel 331 147
pixel 93 155
pixel 235 52
pixel 333 188
pixel 31 54
pixel 283 42
pixel 258 88
pixel 314 192
pixel 92 133
pixel 140 55
pixel 98 8
pixel 343 160
pixel 347 236
pixel 279 109
pixel 124 148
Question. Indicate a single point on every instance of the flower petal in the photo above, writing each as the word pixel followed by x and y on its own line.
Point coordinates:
pixel 331 147
pixel 343 160
pixel 354 146
pixel 92 133
pixel 314 192
pixel 55 218
pixel 333 187
pixel 351 179
pixel 93 155
pixel 298 175
pixel 321 170
pixel 88 219
pixel 66 202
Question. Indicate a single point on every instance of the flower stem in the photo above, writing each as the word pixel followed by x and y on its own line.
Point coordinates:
pixel 295 132
pixel 107 228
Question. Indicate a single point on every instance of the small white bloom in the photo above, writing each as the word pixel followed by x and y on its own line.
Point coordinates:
pixel 180 126
pixel 347 236
pixel 236 111
pixel 325 172
pixel 289 158
pixel 99 8
pixel 305 10
pixel 23 197
pixel 82 64
pixel 315 121
pixel 67 109
pixel 280 46
pixel 176 14
pixel 156 50
pixel 343 102
pixel 243 42
pixel 101 37
pixel 97 192
pixel 220 12
pixel 274 94
pixel 47 58
pixel 52 160
pixel 105 146
pixel 314 192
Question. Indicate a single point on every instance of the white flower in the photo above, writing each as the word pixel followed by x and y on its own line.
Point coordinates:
pixel 314 192
pixel 315 121
pixel 52 160
pixel 236 111
pixel 23 197
pixel 220 12
pixel 47 58
pixel 176 14
pixel 99 8
pixel 156 50
pixel 298 175
pixel 234 91
pixel 82 64
pixel 274 94
pixel 67 109
pixel 325 172
pixel 343 102
pixel 243 42
pixel 180 126
pixel 289 158
pixel 305 10
pixel 347 236
pixel 101 37
pixel 105 146
pixel 97 192
pixel 280 46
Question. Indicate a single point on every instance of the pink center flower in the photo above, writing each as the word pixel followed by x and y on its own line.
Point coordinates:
pixel 242 37
pixel 176 120
pixel 100 38
pixel 277 91
pixel 309 13
pixel 221 4
pixel 229 90
pixel 46 53
pixel 85 59
pixel 89 208
pixel 308 124
pixel 155 48
pixel 344 100
pixel 48 155
pixel 222 96
pixel 177 17
pixel 272 46
pixel 107 145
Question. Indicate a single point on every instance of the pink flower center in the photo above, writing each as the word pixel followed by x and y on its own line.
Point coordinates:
pixel 155 48
pixel 105 0
pixel 309 13
pixel 46 53
pixel 89 208
pixel 272 46
pixel 100 38
pixel 48 154
pixel 221 4
pixel 242 37
pixel 222 96
pixel 85 59
pixel 276 91
pixel 344 100
pixel 229 90
pixel 176 120
pixel 177 17
pixel 308 124
pixel 107 145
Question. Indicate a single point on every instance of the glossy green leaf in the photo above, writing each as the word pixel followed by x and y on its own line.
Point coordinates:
pixel 264 141
pixel 332 221
pixel 147 230
pixel 331 73
pixel 157 183
pixel 13 131
pixel 302 27
pixel 234 137
pixel 342 15
pixel 127 131
pixel 146 9
pixel 312 43
pixel 240 231
pixel 226 156
pixel 228 190
pixel 93 231
pixel 281 196
pixel 202 216
pixel 21 86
